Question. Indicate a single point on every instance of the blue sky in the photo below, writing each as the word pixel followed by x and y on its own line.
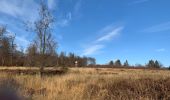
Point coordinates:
pixel 137 30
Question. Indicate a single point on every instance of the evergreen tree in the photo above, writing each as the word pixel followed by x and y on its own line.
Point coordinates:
pixel 126 64
pixel 157 64
pixel 154 64
pixel 111 63
pixel 169 68
pixel 151 64
pixel 118 63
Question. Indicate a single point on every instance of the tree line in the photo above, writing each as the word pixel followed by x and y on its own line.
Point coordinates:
pixel 10 56
pixel 42 51
pixel 36 56
pixel 150 64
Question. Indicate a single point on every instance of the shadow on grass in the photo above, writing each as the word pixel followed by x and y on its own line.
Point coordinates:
pixel 9 89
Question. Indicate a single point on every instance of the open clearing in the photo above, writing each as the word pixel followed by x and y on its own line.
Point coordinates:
pixel 90 84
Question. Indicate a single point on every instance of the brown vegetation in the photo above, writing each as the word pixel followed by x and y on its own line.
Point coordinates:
pixel 93 84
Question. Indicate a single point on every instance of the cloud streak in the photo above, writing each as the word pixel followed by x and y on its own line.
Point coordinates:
pixel 23 41
pixel 14 13
pixel 161 50
pixel 71 14
pixel 19 9
pixel 77 7
pixel 92 49
pixel 158 28
pixel 52 3
pixel 65 21
pixel 138 2
pixel 109 33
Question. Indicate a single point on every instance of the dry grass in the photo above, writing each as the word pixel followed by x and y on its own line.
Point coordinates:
pixel 95 84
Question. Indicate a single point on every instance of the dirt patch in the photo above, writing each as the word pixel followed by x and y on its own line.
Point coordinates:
pixel 33 71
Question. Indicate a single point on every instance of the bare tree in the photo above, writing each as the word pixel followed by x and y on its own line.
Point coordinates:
pixel 44 41
pixel 31 55
pixel 4 47
pixel 5 52
pixel 43 29
pixel 7 46
pixel 13 46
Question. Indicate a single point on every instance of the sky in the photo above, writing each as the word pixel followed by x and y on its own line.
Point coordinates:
pixel 136 30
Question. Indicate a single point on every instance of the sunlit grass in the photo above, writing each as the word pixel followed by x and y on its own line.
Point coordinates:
pixel 95 84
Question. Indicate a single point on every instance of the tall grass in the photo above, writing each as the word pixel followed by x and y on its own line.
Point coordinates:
pixel 95 84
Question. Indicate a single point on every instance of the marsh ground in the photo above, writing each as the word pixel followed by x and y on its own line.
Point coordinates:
pixel 91 84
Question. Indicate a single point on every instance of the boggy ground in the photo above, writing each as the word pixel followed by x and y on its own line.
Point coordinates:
pixel 91 84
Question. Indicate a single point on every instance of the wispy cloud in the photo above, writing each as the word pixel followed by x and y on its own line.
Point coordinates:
pixel 77 8
pixel 19 8
pixel 71 14
pixel 14 13
pixel 160 50
pixel 109 33
pixel 21 42
pixel 92 49
pixel 52 4
pixel 66 20
pixel 158 28
pixel 138 2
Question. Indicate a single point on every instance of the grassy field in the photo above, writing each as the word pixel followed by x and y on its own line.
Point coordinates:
pixel 91 84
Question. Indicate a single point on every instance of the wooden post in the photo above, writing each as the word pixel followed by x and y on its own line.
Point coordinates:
pixel 76 63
